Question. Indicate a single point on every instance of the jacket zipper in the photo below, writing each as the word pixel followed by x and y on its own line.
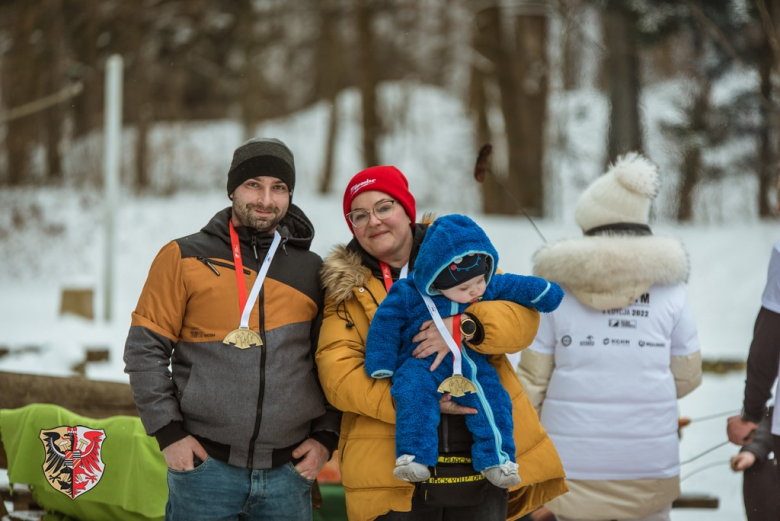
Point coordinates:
pixel 261 383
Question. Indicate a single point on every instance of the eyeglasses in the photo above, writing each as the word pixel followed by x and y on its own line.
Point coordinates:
pixel 382 210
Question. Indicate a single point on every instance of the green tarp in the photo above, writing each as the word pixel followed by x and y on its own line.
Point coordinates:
pixel 133 485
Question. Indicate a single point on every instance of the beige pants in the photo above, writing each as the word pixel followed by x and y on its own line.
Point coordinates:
pixel 665 514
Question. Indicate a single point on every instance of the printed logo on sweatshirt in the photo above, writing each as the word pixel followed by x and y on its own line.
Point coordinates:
pixel 73 462
pixel 643 300
pixel 621 342
pixel 616 322
pixel 197 333
pixel 566 341
pixel 588 341
pixel 642 343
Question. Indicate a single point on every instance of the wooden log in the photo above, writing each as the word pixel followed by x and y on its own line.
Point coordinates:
pixel 696 501
pixel 95 399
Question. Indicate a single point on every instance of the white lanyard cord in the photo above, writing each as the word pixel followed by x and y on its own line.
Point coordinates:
pixel 456 363
pixel 250 301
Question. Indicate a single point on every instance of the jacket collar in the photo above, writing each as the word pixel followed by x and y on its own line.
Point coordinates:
pixel 295 228
pixel 350 266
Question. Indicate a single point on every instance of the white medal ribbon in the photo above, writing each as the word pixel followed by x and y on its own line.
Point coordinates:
pixel 252 298
pixel 456 363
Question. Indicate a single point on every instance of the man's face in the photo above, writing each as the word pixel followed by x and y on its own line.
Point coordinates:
pixel 260 203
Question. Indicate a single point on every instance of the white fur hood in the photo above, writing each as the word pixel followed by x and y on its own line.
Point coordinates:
pixel 608 272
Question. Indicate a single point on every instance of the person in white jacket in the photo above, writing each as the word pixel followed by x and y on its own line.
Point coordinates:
pixel 607 367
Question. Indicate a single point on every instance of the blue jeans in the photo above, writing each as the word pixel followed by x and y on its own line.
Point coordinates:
pixel 216 491
pixel 493 508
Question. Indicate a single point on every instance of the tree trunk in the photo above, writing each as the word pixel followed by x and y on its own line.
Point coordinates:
pixel 531 31
pixel 767 167
pixel 88 106
pixel 139 96
pixel 520 71
pixel 53 116
pixel 330 70
pixel 692 159
pixel 623 73
pixel 330 145
pixel 479 105
pixel 369 82
pixel 19 87
pixel 488 41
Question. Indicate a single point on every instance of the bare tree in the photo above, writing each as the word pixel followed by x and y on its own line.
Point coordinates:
pixel 623 79
pixel 368 80
pixel 331 67
pixel 516 52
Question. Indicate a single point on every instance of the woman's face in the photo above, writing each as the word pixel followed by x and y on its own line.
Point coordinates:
pixel 389 240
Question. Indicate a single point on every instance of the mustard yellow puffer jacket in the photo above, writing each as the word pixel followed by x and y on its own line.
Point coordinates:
pixel 366 445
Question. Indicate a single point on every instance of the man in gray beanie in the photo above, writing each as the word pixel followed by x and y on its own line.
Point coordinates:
pixel 240 416
pixel 261 155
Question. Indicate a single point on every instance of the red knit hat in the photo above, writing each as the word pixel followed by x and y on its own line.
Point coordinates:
pixel 387 179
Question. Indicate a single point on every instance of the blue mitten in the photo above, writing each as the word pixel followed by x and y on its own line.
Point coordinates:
pixel 549 299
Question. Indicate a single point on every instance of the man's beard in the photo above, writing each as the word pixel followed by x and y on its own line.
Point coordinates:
pixel 247 217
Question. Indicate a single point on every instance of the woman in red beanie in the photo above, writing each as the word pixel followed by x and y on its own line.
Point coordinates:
pixel 380 211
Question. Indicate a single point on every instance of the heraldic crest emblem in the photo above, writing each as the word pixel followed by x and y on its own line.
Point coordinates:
pixel 73 463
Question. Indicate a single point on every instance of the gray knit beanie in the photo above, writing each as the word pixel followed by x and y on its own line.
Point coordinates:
pixel 261 156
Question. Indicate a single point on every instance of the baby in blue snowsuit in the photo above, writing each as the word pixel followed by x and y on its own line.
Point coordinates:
pixel 455 267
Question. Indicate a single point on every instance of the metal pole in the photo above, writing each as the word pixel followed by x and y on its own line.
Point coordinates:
pixel 111 161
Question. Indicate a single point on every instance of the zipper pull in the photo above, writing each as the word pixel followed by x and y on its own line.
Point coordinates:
pixel 254 246
pixel 208 263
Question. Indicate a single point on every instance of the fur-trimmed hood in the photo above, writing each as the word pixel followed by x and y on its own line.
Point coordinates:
pixel 608 272
pixel 342 271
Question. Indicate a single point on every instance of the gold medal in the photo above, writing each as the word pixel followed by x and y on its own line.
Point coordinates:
pixel 244 338
pixel 457 385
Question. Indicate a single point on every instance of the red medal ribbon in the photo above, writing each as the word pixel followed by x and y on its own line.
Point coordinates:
pixel 236 245
pixel 387 276
pixel 456 329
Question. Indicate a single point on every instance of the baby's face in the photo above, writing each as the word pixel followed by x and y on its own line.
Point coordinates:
pixel 467 292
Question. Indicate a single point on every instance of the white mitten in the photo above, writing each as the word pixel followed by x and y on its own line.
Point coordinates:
pixel 407 469
pixel 504 475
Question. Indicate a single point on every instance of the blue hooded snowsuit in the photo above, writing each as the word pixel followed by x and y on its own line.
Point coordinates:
pixel 389 347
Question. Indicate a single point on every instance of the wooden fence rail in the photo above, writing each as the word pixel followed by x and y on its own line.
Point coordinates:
pixel 95 399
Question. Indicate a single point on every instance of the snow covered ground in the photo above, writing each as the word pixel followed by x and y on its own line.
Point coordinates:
pixel 52 239
pixel 729 269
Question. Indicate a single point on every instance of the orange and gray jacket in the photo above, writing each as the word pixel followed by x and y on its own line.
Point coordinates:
pixel 248 407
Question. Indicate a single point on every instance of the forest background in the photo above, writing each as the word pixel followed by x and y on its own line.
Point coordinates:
pixel 558 87
pixel 524 73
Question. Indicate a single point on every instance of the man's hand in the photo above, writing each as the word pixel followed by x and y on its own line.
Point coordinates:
pixel 314 455
pixel 178 455
pixel 447 406
pixel 431 342
pixel 740 431
pixel 742 461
